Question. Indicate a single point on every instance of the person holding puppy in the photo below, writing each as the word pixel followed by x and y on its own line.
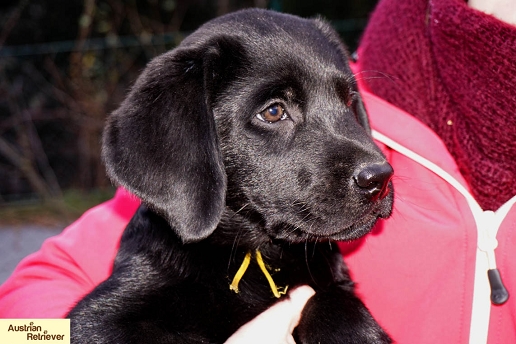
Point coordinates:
pixel 446 69
pixel 437 78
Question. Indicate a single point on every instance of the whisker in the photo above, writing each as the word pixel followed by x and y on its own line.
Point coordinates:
pixel 313 251
pixel 381 75
pixel 307 264
pixel 239 210
pixel 234 247
pixel 237 238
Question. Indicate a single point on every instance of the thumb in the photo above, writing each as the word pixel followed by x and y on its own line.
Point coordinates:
pixel 275 325
pixel 298 299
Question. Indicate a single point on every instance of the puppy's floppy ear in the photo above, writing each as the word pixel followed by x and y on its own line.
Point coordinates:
pixel 361 113
pixel 162 144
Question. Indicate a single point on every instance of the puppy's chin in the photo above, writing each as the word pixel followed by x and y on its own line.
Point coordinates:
pixel 355 231
pixel 298 234
pixel 320 230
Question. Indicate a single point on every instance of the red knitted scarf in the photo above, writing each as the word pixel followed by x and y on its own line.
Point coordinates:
pixel 454 68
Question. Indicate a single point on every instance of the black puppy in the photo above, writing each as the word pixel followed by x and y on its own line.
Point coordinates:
pixel 250 148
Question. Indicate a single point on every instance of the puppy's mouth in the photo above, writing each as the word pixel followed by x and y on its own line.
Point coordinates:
pixel 299 235
pixel 354 231
pixel 314 228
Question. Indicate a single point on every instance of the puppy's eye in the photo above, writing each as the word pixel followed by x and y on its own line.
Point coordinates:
pixel 273 114
pixel 350 99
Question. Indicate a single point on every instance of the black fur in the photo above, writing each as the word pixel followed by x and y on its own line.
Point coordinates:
pixel 217 181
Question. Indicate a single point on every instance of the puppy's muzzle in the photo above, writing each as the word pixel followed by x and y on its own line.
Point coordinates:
pixel 373 180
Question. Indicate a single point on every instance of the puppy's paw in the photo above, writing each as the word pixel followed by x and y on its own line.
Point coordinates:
pixel 343 334
pixel 338 318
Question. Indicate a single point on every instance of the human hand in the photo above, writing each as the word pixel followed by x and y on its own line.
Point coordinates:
pixel 505 10
pixel 275 325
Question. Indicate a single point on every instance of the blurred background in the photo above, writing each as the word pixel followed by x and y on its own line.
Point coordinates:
pixel 65 65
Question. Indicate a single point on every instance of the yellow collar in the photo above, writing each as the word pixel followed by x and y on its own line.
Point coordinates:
pixel 277 291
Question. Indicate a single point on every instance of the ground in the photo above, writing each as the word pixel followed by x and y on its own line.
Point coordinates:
pixel 24 226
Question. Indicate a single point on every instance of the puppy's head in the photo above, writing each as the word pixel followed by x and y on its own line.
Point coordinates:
pixel 256 110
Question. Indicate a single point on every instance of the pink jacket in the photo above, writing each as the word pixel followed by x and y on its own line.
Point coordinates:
pixel 423 272
pixel 419 272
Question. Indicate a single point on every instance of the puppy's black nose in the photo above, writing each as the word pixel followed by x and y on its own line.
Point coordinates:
pixel 373 180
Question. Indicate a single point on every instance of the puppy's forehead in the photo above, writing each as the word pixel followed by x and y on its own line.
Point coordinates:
pixel 260 23
pixel 268 35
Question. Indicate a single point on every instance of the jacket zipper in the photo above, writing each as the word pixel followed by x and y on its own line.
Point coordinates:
pixel 488 286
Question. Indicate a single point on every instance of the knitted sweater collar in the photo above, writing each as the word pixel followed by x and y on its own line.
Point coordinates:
pixel 453 68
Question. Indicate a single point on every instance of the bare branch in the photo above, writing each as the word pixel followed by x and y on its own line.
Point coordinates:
pixel 25 166
pixel 13 19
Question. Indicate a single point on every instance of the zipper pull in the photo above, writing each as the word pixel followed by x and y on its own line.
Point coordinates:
pixel 488 244
pixel 499 294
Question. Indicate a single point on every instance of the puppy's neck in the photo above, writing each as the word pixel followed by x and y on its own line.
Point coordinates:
pixel 243 229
